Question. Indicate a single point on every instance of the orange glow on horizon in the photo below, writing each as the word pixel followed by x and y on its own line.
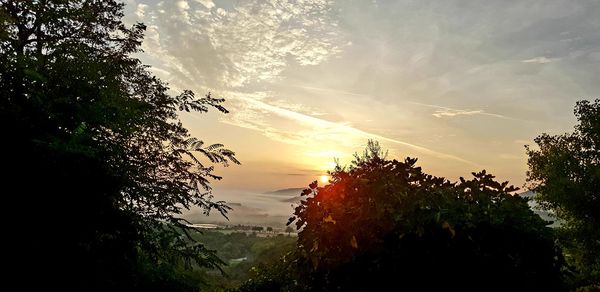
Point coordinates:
pixel 324 179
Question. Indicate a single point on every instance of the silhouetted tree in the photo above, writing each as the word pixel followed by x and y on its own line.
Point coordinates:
pixel 385 223
pixel 98 163
pixel 564 172
pixel 289 230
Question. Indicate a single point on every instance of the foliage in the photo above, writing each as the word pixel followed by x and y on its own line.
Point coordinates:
pixel 282 274
pixel 289 230
pixel 564 171
pixel 96 154
pixel 385 223
pixel 258 254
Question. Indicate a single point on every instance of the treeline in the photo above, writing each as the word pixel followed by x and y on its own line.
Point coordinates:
pixel 249 227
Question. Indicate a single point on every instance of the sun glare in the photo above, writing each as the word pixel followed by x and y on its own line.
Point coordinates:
pixel 324 179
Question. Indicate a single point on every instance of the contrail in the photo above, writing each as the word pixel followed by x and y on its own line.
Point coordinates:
pixel 324 123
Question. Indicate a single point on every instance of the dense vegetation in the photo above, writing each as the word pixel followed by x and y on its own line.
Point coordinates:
pixel 385 223
pixel 245 254
pixel 96 159
pixel 564 170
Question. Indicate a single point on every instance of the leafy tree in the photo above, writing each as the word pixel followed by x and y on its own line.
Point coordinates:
pixel 97 160
pixel 289 230
pixel 385 223
pixel 282 274
pixel 564 172
pixel 270 229
pixel 259 253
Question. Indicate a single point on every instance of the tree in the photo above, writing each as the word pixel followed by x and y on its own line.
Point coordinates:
pixel 402 227
pixel 97 157
pixel 270 229
pixel 564 172
pixel 289 230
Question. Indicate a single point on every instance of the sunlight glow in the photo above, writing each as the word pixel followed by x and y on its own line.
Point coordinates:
pixel 330 165
pixel 324 179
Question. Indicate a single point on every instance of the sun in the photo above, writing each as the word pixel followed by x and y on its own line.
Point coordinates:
pixel 324 179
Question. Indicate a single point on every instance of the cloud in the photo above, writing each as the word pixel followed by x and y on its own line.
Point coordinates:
pixel 140 11
pixel 442 111
pixel 452 113
pixel 258 38
pixel 183 5
pixel 540 60
pixel 207 3
pixel 281 64
pixel 307 130
pixel 329 90
pixel 250 41
pixel 297 107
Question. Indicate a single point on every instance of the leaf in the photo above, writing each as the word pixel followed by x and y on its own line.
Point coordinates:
pixel 315 262
pixel 329 219
pixel 446 225
pixel 290 220
pixel 353 242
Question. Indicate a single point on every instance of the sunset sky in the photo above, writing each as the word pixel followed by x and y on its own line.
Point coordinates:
pixel 461 85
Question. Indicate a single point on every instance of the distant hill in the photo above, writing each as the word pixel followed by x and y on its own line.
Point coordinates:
pixel 295 200
pixel 266 209
pixel 546 215
pixel 290 195
pixel 527 194
pixel 289 192
pixel 240 214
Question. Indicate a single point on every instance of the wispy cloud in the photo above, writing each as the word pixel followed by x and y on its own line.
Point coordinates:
pixel 297 107
pixel 207 3
pixel 442 111
pixel 540 60
pixel 140 11
pixel 316 130
pixel 452 113
pixel 329 90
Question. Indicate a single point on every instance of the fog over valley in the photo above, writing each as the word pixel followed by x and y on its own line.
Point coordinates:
pixel 271 208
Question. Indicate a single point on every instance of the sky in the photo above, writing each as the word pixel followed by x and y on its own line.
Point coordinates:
pixel 461 85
